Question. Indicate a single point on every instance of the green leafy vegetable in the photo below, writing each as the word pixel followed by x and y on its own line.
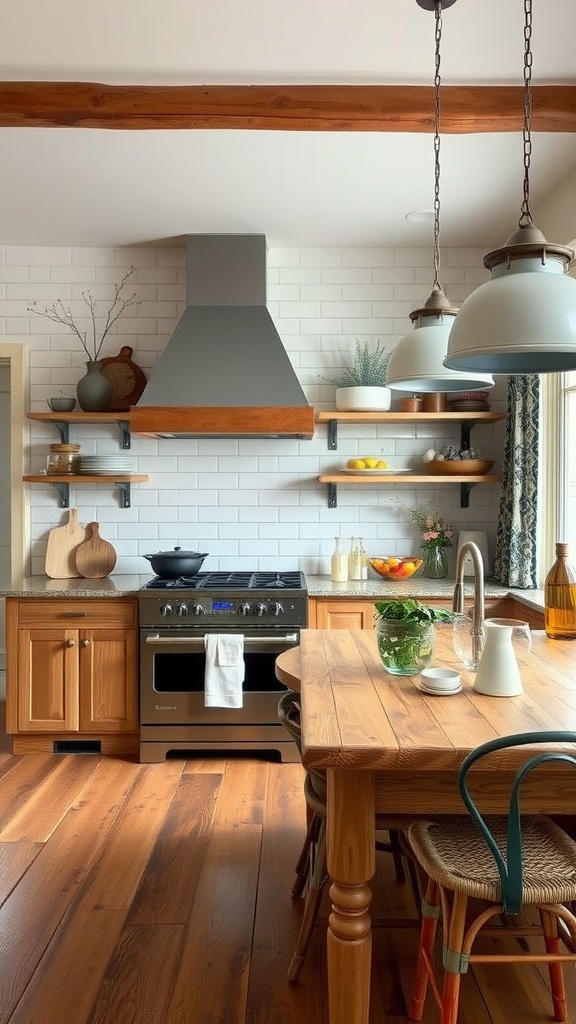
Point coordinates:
pixel 410 610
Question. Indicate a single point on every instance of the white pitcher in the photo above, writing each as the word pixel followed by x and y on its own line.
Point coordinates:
pixel 498 674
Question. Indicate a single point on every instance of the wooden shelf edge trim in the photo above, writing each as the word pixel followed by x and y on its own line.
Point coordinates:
pixel 413 478
pixel 80 417
pixel 399 417
pixel 85 478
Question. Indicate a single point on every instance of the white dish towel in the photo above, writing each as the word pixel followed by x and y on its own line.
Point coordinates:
pixel 224 673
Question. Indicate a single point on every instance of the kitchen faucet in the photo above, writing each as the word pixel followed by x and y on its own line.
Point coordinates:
pixel 458 600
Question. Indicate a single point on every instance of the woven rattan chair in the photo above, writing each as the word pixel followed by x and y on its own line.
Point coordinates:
pixel 510 863
pixel 311 873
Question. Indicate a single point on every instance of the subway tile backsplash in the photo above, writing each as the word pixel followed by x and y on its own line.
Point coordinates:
pixel 252 504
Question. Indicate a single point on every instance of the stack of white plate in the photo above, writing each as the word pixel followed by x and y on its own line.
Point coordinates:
pixel 106 464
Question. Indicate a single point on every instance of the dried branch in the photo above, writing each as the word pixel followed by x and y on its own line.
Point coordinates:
pixel 59 314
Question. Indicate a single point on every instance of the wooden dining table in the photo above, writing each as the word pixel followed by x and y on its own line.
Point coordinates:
pixel 387 746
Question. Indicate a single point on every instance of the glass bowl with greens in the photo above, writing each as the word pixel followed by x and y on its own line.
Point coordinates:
pixel 405 634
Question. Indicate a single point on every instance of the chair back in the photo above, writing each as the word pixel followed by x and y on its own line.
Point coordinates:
pixel 510 869
pixel 289 715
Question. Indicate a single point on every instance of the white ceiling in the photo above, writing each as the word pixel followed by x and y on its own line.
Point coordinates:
pixel 89 187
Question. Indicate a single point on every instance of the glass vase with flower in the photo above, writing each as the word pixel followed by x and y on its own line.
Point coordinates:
pixel 436 536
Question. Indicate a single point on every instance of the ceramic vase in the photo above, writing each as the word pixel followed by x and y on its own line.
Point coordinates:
pixel 93 391
pixel 435 563
pixel 498 674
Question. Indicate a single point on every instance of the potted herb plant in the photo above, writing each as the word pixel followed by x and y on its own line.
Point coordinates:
pixel 360 387
pixel 405 634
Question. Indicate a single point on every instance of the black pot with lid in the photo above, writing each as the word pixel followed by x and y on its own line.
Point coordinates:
pixel 170 565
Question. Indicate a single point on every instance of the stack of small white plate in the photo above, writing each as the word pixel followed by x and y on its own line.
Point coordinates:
pixel 107 464
pixel 440 681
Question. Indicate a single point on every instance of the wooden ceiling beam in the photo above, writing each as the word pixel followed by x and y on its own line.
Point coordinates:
pixel 335 108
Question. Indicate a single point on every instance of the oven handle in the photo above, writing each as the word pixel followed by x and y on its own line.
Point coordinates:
pixel 288 638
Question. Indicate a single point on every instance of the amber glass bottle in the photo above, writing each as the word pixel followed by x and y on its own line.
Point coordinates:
pixel 560 598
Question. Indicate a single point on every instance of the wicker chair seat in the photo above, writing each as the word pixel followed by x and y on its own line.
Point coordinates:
pixel 454 854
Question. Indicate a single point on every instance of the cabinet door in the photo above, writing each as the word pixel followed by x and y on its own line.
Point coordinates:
pixel 47 662
pixel 108 680
pixel 343 614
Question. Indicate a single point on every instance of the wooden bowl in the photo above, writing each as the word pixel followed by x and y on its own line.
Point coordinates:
pixel 403 570
pixel 460 467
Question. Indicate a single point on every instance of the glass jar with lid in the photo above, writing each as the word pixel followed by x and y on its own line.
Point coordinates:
pixel 63 458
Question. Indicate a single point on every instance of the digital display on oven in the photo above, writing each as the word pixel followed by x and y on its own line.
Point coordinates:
pixel 222 606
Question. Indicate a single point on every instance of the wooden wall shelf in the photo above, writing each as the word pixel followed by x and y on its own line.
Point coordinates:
pixel 62 420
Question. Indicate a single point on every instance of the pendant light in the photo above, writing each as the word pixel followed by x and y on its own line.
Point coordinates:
pixel 417 362
pixel 523 319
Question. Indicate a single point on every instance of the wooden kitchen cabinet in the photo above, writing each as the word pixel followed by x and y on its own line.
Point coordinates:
pixel 340 613
pixel 357 613
pixel 72 671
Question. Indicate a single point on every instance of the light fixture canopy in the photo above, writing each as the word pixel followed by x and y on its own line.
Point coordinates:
pixel 417 362
pixel 523 319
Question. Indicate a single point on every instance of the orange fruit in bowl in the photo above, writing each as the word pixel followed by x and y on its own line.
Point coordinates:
pixel 396 568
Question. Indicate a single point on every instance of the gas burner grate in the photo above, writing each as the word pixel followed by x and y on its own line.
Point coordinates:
pixel 232 581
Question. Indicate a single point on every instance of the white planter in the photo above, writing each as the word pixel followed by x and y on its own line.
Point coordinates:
pixel 367 399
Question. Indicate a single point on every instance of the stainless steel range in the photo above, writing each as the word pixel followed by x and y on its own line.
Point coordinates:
pixel 267 609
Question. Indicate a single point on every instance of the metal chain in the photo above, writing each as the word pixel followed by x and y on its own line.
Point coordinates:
pixel 438 39
pixel 526 213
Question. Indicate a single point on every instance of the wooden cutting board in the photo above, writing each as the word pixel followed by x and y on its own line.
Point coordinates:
pixel 63 543
pixel 95 558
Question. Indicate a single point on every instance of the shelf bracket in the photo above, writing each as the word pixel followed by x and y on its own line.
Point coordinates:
pixel 124 494
pixel 465 431
pixel 332 435
pixel 64 431
pixel 125 433
pixel 332 495
pixel 64 492
pixel 465 495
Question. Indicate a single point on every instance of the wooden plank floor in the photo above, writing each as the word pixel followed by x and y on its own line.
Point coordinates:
pixel 160 894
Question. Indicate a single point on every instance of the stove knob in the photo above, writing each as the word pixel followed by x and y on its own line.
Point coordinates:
pixel 165 609
pixel 198 609
pixel 244 609
pixel 183 609
pixel 261 609
pixel 276 608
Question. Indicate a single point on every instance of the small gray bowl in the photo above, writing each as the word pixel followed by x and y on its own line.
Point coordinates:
pixel 61 404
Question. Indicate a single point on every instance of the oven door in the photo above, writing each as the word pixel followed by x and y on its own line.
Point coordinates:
pixel 172 667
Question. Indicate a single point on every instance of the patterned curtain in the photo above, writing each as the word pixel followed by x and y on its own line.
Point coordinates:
pixel 516 537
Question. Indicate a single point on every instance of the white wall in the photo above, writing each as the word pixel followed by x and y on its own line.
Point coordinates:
pixel 250 503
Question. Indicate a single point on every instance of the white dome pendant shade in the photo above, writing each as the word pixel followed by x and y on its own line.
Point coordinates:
pixel 523 320
pixel 417 362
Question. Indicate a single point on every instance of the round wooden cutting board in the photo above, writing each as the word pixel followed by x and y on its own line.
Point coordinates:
pixel 95 558
pixel 127 379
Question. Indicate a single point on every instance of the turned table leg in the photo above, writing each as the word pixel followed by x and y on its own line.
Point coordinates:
pixel 351 864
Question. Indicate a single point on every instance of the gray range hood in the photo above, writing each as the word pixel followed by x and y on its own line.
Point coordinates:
pixel 224 372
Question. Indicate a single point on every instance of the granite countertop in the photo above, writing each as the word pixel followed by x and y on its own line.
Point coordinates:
pixel 417 586
pixel 44 586
pixel 318 586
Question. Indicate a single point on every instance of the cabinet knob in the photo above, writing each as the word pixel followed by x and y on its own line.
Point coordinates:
pixel 85 643
pixel 71 642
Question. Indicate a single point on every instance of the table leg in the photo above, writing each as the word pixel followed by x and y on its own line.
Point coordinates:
pixel 351 864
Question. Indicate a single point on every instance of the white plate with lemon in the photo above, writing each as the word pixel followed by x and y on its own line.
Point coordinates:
pixel 371 464
pixel 381 472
